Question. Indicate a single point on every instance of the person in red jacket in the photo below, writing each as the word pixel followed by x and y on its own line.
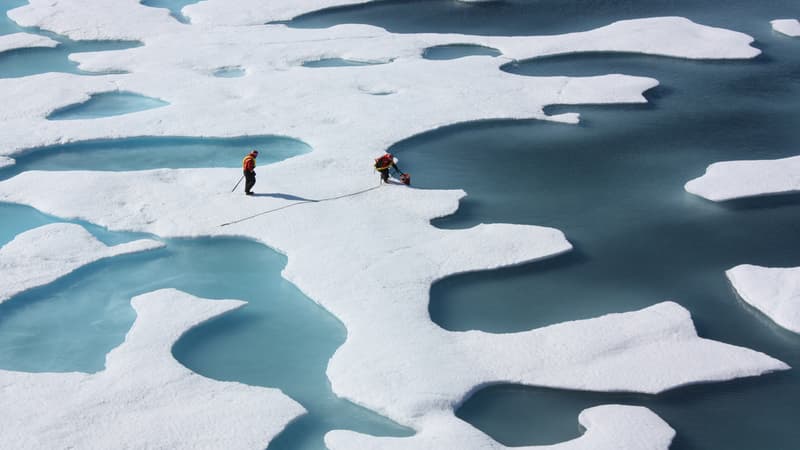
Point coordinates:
pixel 385 163
pixel 249 169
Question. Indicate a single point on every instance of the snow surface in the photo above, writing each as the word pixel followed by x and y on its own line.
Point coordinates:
pixel 17 41
pixel 773 291
pixel 6 161
pixel 736 179
pixel 143 398
pixel 618 427
pixel 789 27
pixel 42 255
pixel 375 245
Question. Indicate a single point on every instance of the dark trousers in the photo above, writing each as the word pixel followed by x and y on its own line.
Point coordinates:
pixel 250 180
pixel 384 175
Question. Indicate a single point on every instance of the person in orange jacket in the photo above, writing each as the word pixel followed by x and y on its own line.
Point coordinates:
pixel 249 169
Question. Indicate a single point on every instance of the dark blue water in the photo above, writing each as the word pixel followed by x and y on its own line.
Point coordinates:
pixel 543 17
pixel 444 52
pixel 155 152
pixel 614 185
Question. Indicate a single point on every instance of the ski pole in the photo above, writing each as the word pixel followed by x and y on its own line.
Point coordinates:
pixel 237 183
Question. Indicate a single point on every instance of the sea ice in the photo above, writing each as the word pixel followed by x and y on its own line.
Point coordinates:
pixel 736 179
pixel 143 398
pixel 44 254
pixel 24 40
pixel 281 97
pixel 368 254
pixel 608 427
pixel 385 307
pixel 789 27
pixel 773 291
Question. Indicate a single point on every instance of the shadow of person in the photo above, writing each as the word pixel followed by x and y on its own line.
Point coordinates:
pixel 284 196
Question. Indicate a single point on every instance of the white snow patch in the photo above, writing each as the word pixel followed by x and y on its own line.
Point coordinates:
pixel 789 27
pixel 93 20
pixel 6 162
pixel 736 179
pixel 143 398
pixel 772 290
pixel 608 427
pixel 18 41
pixel 42 255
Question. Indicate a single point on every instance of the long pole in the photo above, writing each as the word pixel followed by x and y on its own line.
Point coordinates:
pixel 237 183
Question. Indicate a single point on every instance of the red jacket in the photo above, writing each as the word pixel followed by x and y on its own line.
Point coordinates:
pixel 384 162
pixel 249 163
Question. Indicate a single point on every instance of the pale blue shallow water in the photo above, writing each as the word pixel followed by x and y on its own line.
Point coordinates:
pixel 107 104
pixel 613 184
pixel 155 152
pixel 31 61
pixel 174 7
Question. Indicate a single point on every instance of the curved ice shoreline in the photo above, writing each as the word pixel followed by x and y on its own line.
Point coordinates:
pixel 352 241
pixel 144 398
pixel 789 27
pixel 730 180
pixel 18 41
pixel 44 254
pixel 773 291
pixel 608 427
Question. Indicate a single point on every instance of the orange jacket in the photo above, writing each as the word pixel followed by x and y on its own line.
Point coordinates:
pixel 249 162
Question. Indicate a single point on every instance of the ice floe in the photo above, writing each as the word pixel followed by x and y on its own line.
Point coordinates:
pixel 44 254
pixel 18 41
pixel 772 290
pixel 608 427
pixel 368 254
pixel 789 27
pixel 92 20
pixel 729 180
pixel 143 398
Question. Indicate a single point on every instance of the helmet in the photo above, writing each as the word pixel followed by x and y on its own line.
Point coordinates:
pixel 254 153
